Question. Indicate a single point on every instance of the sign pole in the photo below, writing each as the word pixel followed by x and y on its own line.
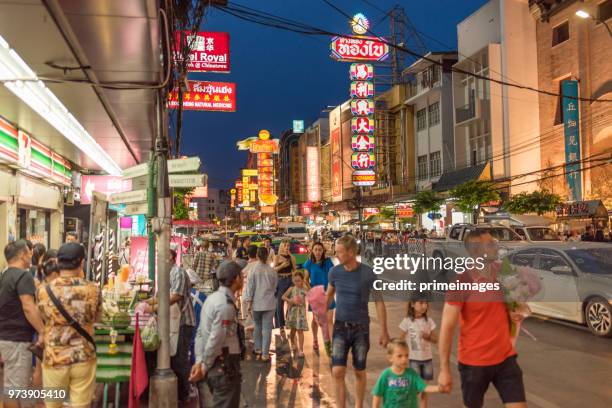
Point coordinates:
pixel 151 212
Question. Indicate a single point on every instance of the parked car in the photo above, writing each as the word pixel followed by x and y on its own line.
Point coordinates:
pixel 577 282
pixel 295 230
pixel 537 233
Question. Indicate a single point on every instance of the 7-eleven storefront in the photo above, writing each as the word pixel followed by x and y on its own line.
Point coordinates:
pixel 32 181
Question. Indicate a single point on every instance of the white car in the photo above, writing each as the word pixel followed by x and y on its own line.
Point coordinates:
pixel 576 282
pixel 295 230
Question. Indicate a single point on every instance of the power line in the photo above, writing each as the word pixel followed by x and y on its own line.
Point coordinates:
pixel 263 18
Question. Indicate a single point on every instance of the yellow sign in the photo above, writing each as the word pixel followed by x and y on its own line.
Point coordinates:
pixel 249 172
pixel 264 134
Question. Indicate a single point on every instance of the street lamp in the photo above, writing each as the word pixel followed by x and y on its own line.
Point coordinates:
pixel 585 14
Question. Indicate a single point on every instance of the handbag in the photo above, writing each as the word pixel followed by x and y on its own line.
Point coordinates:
pixel 71 322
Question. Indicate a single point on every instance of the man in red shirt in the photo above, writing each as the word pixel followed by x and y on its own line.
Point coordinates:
pixel 485 352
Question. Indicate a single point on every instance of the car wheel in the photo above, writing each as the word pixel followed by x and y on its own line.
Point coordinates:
pixel 598 316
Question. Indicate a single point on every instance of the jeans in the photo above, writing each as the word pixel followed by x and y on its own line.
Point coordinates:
pixel 263 331
pixel 180 362
pixel 353 337
pixel 281 288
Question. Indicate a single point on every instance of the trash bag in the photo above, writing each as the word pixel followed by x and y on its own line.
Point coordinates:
pixel 150 335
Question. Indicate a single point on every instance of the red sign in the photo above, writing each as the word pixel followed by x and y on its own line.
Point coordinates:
pixel 364 178
pixel 362 89
pixel 363 143
pixel 210 52
pixel 370 211
pixel 102 184
pixel 206 96
pixel 305 208
pixel 361 72
pixel 362 107
pixel 362 124
pixel 404 211
pixel 363 161
pixel 359 49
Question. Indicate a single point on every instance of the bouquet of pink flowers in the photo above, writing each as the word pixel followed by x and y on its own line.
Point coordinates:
pixel 520 284
pixel 317 299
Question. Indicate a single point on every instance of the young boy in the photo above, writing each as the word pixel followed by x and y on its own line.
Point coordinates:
pixel 399 385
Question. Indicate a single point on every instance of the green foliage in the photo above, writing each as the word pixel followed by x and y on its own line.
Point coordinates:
pixel 471 194
pixel 538 202
pixel 427 201
pixel 408 220
pixel 387 213
pixel 180 211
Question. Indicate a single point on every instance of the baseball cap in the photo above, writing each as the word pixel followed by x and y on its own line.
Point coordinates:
pixel 228 270
pixel 71 252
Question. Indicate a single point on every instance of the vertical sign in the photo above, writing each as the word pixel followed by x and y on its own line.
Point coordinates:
pixel 298 126
pixel 569 90
pixel 313 185
pixel 336 154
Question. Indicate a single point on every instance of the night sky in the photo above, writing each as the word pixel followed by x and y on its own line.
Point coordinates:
pixel 281 76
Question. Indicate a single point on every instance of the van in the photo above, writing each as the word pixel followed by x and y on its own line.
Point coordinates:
pixel 295 230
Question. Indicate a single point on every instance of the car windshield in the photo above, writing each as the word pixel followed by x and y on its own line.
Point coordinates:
pixel 502 234
pixel 593 260
pixel 542 234
pixel 296 230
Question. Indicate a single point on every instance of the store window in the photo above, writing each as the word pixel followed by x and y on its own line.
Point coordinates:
pixel 422 167
pixel 434 113
pixel 435 164
pixel 422 119
pixel 560 33
pixel 34 225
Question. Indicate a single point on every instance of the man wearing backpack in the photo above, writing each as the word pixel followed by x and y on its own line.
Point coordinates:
pixel 69 359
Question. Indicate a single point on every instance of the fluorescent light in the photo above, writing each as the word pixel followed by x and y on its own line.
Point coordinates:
pixel 583 14
pixel 19 78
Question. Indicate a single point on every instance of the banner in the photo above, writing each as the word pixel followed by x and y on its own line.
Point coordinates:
pixel 210 51
pixel 569 90
pixel 206 96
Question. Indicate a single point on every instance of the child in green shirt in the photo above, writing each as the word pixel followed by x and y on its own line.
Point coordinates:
pixel 399 385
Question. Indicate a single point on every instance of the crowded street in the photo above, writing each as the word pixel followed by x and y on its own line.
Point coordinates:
pixel 281 204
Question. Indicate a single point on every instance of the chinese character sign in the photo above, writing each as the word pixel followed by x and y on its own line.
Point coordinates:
pixel 361 72
pixel 206 96
pixel 362 89
pixel 209 51
pixel 572 138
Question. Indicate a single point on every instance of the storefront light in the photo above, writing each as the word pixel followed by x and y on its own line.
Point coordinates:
pixel 19 78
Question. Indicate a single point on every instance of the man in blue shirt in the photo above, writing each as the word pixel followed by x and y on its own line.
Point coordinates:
pixel 351 283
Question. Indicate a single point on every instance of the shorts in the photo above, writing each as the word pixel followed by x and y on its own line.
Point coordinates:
pixel 424 368
pixel 17 363
pixel 78 379
pixel 354 337
pixel 507 378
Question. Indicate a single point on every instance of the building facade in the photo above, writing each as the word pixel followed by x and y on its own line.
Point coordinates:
pixel 215 207
pixel 494 122
pixel 431 99
pixel 572 48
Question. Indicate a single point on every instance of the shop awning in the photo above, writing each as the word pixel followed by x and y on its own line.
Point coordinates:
pixel 194 223
pixel 451 179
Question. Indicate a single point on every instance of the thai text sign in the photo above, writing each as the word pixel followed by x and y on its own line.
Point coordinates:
pixel 206 96
pixel 359 49
pixel 569 90
pixel 210 51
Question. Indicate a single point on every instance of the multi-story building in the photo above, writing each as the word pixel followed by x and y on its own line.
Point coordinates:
pixel 310 165
pixel 431 98
pixel 573 48
pixel 497 126
pixel 289 186
pixel 215 207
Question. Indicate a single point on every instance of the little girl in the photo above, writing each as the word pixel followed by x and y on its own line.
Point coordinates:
pixel 419 332
pixel 295 297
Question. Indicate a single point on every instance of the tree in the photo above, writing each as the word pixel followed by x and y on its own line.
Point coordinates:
pixel 538 202
pixel 180 210
pixel 470 195
pixel 427 201
pixel 387 213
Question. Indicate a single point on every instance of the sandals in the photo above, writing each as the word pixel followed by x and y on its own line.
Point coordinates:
pixel 315 345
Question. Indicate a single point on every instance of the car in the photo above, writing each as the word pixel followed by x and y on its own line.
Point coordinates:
pixel 295 230
pixel 297 248
pixel 537 233
pixel 255 237
pixel 576 282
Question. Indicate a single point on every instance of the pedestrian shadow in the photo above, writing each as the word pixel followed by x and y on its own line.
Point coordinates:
pixel 255 383
pixel 288 373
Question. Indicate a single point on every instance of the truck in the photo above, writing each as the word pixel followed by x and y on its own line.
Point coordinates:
pixel 453 245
